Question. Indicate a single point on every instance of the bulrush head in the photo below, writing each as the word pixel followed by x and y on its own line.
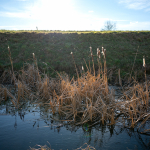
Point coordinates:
pixel 33 56
pixel 104 52
pixel 144 61
pixel 8 48
pixel 91 50
pixel 98 53
pixel 82 68
pixel 9 51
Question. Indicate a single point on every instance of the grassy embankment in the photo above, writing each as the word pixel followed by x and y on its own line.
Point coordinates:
pixel 54 47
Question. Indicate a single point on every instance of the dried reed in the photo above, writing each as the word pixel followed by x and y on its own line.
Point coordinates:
pixel 86 99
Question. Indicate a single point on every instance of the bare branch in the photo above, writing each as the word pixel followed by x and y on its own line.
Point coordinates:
pixel 109 26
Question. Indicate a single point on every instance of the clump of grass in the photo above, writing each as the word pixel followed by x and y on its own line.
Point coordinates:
pixel 5 93
pixel 40 147
pixel 87 98
pixel 85 146
pixel 137 103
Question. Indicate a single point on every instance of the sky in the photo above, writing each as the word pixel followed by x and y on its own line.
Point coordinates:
pixel 84 15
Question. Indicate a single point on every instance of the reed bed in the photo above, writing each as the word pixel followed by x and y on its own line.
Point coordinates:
pixel 85 99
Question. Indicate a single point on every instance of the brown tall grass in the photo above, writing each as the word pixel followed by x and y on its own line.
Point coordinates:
pixel 87 98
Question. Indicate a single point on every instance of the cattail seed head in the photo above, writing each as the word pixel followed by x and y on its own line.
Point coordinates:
pixel 91 51
pixel 33 55
pixel 104 53
pixel 82 68
pixel 9 51
pixel 90 48
pixel 144 61
pixel 98 53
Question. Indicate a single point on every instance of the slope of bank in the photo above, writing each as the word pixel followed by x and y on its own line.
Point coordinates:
pixel 124 50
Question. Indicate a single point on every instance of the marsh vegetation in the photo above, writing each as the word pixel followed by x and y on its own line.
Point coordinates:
pixel 85 97
pixel 82 99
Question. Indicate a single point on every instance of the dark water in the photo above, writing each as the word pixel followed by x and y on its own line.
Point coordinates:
pixel 26 127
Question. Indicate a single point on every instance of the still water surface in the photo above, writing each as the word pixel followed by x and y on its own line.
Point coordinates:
pixel 31 125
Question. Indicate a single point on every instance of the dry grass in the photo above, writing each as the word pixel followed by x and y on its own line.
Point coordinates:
pixel 81 100
pixel 136 104
pixel 85 146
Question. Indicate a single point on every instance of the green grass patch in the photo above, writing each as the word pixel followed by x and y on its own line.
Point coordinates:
pixel 54 47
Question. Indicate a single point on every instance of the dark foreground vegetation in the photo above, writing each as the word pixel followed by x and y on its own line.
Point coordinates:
pixel 125 50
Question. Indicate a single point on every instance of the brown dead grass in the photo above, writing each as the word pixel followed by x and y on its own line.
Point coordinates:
pixel 81 100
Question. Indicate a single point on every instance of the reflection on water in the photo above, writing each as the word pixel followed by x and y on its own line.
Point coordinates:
pixel 31 125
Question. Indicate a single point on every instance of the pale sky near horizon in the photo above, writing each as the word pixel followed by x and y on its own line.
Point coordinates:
pixel 74 14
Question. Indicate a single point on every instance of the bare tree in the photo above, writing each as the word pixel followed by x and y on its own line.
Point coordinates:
pixel 109 26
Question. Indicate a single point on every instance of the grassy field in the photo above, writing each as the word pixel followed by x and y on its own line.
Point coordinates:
pixel 124 50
